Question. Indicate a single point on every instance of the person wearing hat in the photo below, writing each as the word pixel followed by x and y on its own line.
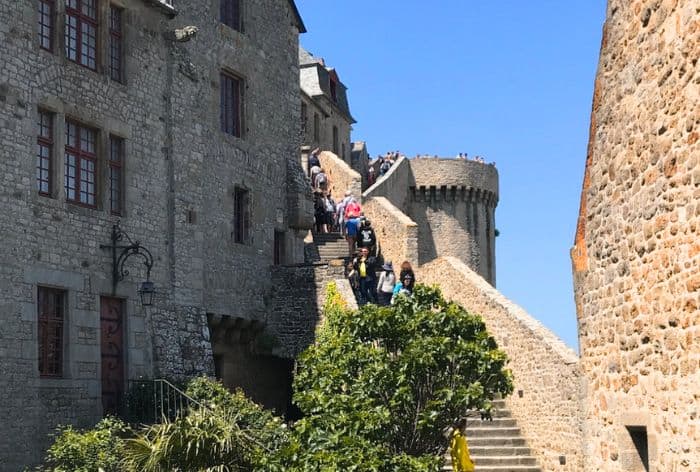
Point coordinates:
pixel 403 287
pixel 385 286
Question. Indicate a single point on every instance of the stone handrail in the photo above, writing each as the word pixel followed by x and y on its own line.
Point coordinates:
pixel 393 185
pixel 397 233
pixel 547 375
pixel 341 176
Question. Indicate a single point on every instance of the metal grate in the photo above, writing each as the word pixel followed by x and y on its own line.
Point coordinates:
pixel 152 401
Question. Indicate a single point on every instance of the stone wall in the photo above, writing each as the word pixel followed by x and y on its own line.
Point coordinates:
pixel 394 184
pixel 547 398
pixel 397 233
pixel 180 171
pixel 636 256
pixel 341 176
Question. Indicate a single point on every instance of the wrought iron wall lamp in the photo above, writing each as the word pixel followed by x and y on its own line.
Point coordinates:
pixel 123 247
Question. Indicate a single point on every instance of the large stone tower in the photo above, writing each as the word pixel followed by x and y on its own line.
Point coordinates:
pixel 637 253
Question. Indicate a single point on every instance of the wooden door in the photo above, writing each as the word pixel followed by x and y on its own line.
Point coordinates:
pixel 112 350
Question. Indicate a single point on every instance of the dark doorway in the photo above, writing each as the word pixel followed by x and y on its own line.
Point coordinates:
pixel 641 443
pixel 112 351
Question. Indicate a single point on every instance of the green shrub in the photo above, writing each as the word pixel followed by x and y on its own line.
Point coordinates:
pixel 227 433
pixel 381 383
pixel 88 451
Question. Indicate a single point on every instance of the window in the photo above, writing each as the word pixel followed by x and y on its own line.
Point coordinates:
pixel 640 441
pixel 317 128
pixel 116 69
pixel 231 98
pixel 279 254
pixel 231 13
pixel 50 308
pixel 304 118
pixel 334 89
pixel 81 32
pixel 44 153
pixel 116 175
pixel 81 160
pixel 342 151
pixel 335 140
pixel 46 16
pixel 241 215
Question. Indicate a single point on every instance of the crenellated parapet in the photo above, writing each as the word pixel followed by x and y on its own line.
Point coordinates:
pixel 452 203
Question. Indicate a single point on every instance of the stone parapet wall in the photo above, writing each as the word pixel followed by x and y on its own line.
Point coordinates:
pixel 430 172
pixel 393 185
pixel 547 377
pixel 341 176
pixel 297 304
pixel 396 232
pixel 637 253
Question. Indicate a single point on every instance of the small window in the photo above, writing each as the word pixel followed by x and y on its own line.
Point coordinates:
pixel 335 140
pixel 640 440
pixel 46 22
pixel 241 216
pixel 231 14
pixel 50 308
pixel 342 151
pixel 231 105
pixel 334 89
pixel 81 32
pixel 116 175
pixel 317 128
pixel 44 153
pixel 279 248
pixel 116 44
pixel 304 117
pixel 80 164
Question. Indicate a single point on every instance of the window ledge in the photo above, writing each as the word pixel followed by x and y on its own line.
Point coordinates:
pixel 166 6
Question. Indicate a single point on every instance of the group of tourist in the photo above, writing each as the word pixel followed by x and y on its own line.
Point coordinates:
pixel 382 290
pixel 371 282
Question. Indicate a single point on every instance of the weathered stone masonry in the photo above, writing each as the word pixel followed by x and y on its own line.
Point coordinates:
pixel 180 174
pixel 636 256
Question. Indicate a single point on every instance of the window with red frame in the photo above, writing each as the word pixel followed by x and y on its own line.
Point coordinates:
pixel 44 153
pixel 231 104
pixel 81 162
pixel 116 66
pixel 46 18
pixel 231 13
pixel 116 174
pixel 51 308
pixel 81 32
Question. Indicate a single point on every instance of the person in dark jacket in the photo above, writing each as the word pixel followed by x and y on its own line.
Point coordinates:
pixel 366 237
pixel 406 269
pixel 365 265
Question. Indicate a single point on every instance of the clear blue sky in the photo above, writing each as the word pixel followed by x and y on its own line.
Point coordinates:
pixel 510 80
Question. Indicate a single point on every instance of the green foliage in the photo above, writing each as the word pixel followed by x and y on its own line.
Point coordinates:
pixel 86 451
pixel 228 433
pixel 380 384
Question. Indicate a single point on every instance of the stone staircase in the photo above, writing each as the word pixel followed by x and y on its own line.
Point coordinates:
pixel 330 246
pixel 497 446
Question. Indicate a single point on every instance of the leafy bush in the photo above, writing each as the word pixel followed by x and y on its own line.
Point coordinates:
pixel 87 451
pixel 227 433
pixel 380 384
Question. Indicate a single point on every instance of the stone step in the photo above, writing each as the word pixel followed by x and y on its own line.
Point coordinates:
pixel 498 451
pixel 514 442
pixel 499 468
pixel 495 422
pixel 492 432
pixel 503 460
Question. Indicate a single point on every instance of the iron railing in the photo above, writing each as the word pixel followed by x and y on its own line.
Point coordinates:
pixel 152 401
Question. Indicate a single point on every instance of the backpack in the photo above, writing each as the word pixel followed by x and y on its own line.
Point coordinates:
pixel 352 210
pixel 321 179
pixel 330 206
pixel 384 168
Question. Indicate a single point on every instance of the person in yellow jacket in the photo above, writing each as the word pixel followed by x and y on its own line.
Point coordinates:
pixel 459 449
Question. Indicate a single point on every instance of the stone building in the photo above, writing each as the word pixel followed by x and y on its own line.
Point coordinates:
pixel 108 114
pixel 636 256
pixel 325 112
